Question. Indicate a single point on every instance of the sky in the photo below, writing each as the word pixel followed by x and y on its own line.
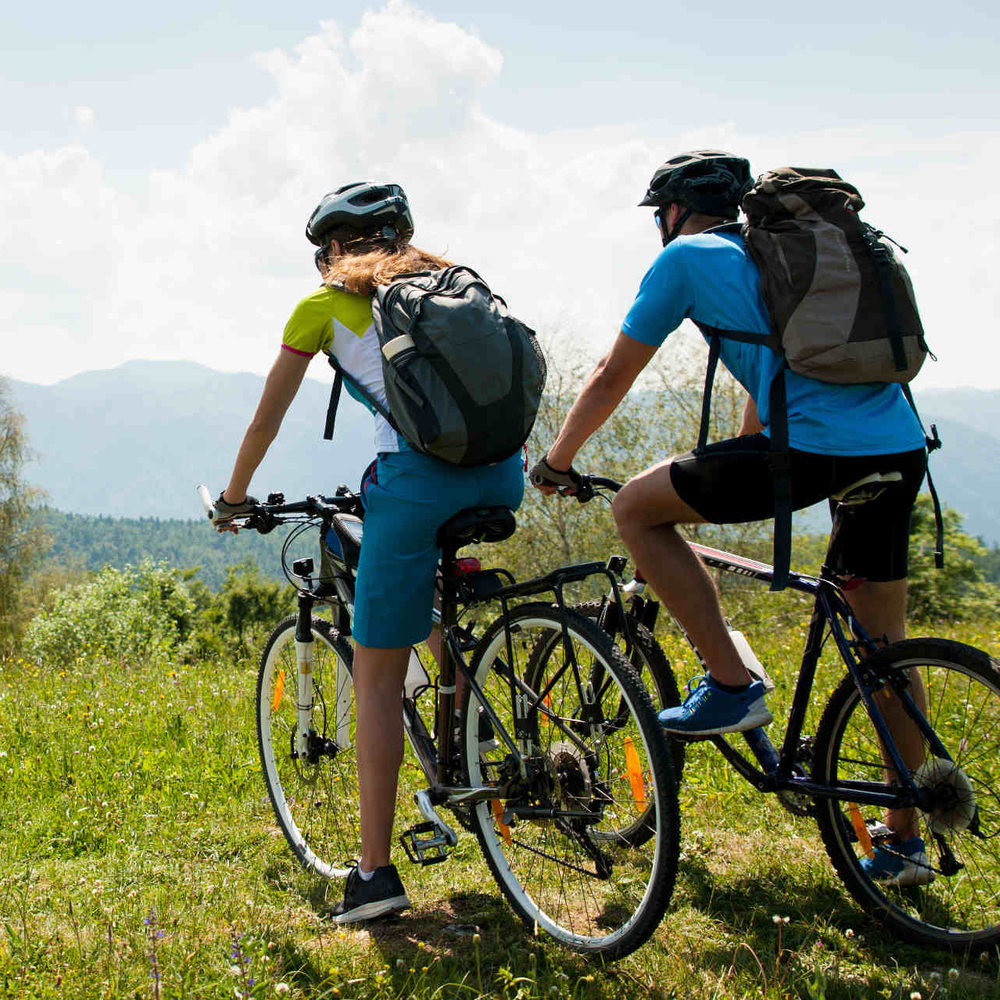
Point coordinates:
pixel 157 166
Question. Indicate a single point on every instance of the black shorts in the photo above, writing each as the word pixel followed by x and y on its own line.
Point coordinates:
pixel 731 482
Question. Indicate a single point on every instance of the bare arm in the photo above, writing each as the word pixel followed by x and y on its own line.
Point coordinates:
pixel 605 389
pixel 282 384
pixel 751 422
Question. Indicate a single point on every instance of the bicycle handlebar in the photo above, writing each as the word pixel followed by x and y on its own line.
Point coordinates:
pixel 263 517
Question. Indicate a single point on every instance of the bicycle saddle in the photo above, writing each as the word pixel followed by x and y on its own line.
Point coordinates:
pixel 867 488
pixel 476 524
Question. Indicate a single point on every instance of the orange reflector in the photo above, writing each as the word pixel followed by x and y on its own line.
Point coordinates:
pixel 279 690
pixel 501 825
pixel 864 838
pixel 634 769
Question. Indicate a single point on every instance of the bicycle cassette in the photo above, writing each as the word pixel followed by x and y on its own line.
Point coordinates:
pixel 953 801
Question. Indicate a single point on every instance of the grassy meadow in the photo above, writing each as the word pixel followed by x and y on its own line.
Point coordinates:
pixel 139 858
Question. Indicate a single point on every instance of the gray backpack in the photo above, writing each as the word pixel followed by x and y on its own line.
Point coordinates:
pixel 463 378
pixel 840 302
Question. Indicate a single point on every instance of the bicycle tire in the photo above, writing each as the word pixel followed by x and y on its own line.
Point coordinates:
pixel 647 660
pixel 960 909
pixel 558 873
pixel 315 802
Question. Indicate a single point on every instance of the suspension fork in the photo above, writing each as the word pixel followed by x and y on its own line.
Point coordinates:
pixel 304 647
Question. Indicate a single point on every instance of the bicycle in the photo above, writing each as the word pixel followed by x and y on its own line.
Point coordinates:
pixel 551 758
pixel 852 765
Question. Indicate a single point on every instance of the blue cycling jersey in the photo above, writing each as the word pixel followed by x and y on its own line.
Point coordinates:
pixel 710 278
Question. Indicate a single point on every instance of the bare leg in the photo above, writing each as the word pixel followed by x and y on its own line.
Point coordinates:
pixel 378 687
pixel 647 510
pixel 881 609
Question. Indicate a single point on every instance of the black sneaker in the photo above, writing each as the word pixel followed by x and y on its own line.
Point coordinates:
pixel 382 894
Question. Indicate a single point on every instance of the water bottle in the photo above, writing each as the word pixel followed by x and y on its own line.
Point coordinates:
pixel 750 661
pixel 416 676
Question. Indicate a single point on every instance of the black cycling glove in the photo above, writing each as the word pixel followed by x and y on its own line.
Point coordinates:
pixel 542 474
pixel 224 511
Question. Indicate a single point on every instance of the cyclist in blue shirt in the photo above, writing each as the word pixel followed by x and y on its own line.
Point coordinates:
pixel 837 435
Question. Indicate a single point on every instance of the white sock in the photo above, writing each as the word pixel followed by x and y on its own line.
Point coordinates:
pixel 365 876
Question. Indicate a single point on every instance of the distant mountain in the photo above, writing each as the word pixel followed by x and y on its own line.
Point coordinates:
pixel 135 441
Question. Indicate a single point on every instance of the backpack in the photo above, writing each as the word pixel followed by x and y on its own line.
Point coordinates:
pixel 463 378
pixel 841 306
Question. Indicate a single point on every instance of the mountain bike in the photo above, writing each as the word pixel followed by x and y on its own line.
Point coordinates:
pixel 555 759
pixel 852 768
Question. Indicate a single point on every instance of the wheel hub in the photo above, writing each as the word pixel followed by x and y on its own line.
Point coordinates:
pixel 952 799
pixel 570 773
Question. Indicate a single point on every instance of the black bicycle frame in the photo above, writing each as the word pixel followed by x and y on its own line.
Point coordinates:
pixel 830 608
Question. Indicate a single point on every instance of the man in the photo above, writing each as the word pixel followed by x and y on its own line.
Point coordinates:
pixel 837 435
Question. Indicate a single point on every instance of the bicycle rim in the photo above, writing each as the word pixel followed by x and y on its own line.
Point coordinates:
pixel 959 909
pixel 315 798
pixel 574 876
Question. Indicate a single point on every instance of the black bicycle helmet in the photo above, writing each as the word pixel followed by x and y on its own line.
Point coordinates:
pixel 361 210
pixel 707 180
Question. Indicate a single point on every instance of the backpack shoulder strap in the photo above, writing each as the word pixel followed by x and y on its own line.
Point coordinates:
pixel 338 381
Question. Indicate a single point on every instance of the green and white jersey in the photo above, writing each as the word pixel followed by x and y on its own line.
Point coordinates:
pixel 340 323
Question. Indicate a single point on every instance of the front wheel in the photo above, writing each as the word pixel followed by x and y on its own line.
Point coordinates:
pixel 312 781
pixel 952 901
pixel 593 762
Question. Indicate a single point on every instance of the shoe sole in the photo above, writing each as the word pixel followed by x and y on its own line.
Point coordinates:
pixel 911 875
pixel 750 722
pixel 370 911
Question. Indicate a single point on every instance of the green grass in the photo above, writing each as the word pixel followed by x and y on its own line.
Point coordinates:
pixel 139 858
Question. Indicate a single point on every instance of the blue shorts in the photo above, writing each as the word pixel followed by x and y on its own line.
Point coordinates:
pixel 407 497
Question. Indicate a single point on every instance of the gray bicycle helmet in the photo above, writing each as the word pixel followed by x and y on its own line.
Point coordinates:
pixel 706 180
pixel 361 210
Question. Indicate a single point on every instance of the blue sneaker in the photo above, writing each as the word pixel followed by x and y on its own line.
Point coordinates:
pixel 899 864
pixel 708 710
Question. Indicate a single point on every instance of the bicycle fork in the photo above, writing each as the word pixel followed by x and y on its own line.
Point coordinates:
pixel 304 647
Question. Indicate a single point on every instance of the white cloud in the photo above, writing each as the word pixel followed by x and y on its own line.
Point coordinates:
pixel 84 116
pixel 209 262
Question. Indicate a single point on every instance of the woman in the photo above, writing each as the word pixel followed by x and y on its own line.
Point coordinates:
pixel 362 231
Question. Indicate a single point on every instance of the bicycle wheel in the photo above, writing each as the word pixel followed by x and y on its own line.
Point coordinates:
pixel 959 909
pixel 552 841
pixel 652 666
pixel 314 795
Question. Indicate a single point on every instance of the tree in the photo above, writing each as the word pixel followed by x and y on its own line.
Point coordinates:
pixel 22 542
pixel 960 590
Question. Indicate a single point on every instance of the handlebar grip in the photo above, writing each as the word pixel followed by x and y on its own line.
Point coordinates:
pixel 206 501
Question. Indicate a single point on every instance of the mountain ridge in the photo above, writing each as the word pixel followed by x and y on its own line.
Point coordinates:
pixel 135 440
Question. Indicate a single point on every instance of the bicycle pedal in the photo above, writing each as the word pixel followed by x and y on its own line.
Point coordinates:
pixel 423 850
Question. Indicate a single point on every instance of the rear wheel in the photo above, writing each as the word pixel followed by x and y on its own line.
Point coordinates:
pixel 597 762
pixel 314 792
pixel 957 906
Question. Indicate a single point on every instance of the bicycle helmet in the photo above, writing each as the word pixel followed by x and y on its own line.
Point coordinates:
pixel 379 212
pixel 707 180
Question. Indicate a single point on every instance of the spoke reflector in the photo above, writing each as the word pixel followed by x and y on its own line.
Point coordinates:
pixel 634 769
pixel 861 830
pixel 501 825
pixel 279 690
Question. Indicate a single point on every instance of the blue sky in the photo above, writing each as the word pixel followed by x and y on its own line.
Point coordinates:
pixel 157 165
